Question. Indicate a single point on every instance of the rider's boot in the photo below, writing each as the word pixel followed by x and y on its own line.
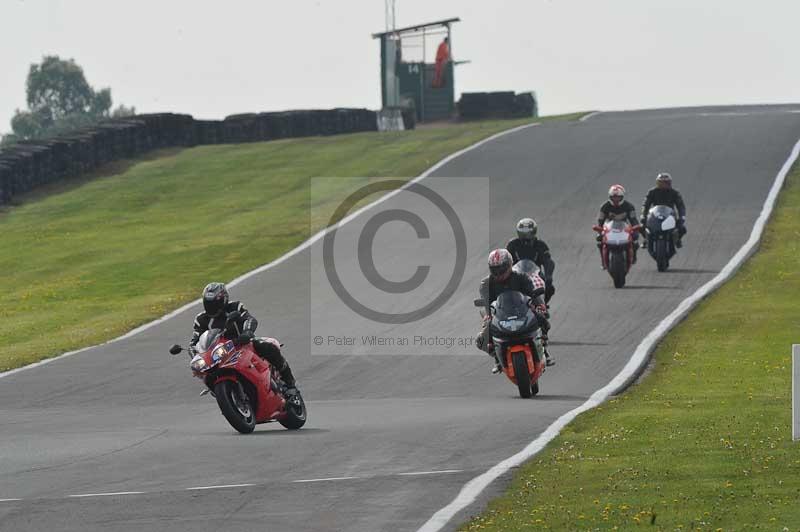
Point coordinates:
pixel 600 249
pixel 635 251
pixel 549 360
pixel 497 368
pixel 288 379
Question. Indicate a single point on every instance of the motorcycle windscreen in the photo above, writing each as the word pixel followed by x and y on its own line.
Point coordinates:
pixel 207 340
pixel 526 266
pixel 658 219
pixel 617 234
pixel 512 315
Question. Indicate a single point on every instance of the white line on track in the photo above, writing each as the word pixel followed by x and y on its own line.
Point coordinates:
pixel 223 486
pixel 9 500
pixel 330 479
pixel 284 257
pixel 640 358
pixel 584 118
pixel 441 472
pixel 111 494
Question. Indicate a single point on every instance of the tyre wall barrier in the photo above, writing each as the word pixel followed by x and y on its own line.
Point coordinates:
pixel 30 164
pixel 480 105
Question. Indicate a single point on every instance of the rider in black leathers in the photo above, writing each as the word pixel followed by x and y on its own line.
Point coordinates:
pixel 664 194
pixel 502 278
pixel 617 208
pixel 527 245
pixel 217 307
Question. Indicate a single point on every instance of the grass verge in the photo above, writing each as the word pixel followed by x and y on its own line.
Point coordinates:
pixel 89 260
pixel 703 442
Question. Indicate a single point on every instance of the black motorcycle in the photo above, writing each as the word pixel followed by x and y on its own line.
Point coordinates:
pixel 661 230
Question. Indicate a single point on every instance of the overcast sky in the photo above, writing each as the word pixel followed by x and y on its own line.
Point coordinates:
pixel 214 58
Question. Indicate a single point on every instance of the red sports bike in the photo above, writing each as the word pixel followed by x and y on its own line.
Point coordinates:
pixel 248 389
pixel 616 248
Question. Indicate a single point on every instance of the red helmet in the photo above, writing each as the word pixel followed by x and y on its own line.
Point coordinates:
pixel 500 262
pixel 616 194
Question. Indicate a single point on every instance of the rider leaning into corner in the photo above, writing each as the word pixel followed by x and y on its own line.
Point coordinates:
pixel 618 208
pixel 527 245
pixel 502 278
pixel 217 307
pixel 664 194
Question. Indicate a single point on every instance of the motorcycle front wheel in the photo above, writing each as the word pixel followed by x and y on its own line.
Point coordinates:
pixel 521 372
pixel 662 255
pixel 236 406
pixel 617 268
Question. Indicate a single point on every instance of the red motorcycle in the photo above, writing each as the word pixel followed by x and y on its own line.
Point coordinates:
pixel 248 389
pixel 616 248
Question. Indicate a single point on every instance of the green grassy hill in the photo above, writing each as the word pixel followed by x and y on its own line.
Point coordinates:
pixel 91 260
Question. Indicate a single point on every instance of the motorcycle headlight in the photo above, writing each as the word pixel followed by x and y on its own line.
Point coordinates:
pixel 512 325
pixel 218 353
pixel 198 363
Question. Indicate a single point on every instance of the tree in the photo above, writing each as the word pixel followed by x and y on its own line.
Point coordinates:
pixel 59 99
pixel 121 111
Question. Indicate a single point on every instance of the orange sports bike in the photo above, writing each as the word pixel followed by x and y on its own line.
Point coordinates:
pixel 517 339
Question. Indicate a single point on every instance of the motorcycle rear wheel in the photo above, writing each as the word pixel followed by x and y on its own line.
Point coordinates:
pixel 295 413
pixel 235 406
pixel 521 372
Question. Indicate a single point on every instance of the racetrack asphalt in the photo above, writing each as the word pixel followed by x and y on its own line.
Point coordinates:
pixel 391 437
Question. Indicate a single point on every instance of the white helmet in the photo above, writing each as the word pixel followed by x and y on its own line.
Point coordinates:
pixel 616 192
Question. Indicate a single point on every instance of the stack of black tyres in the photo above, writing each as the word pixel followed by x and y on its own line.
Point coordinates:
pixel 30 164
pixel 505 104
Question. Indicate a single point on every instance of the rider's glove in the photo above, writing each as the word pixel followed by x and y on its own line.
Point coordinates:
pixel 244 338
pixel 549 290
pixel 479 341
pixel 539 309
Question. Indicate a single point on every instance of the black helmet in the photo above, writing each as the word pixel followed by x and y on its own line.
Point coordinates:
pixel 215 298
pixel 527 229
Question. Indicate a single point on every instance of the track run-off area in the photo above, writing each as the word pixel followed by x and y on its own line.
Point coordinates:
pixel 117 438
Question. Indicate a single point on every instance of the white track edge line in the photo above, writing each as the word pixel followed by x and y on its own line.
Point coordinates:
pixel 283 257
pixel 584 118
pixel 420 473
pixel 10 500
pixel 330 479
pixel 640 357
pixel 111 494
pixel 223 486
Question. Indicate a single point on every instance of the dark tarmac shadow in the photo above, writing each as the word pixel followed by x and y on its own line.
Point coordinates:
pixel 550 397
pixel 650 287
pixel 279 431
pixel 546 397
pixel 574 344
pixel 690 270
